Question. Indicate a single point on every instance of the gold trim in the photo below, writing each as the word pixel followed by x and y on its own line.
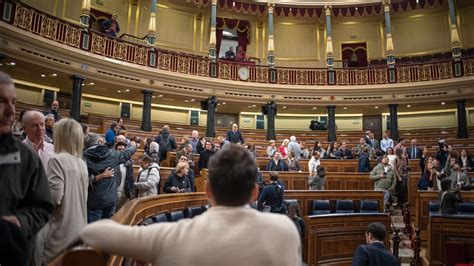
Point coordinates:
pixel 137 17
pixel 194 31
pixel 201 38
pixel 256 41
pixel 382 40
pixel 35 85
pixel 129 15
pixel 55 8
pixel 425 112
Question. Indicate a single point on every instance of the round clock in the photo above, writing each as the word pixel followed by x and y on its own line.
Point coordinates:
pixel 244 73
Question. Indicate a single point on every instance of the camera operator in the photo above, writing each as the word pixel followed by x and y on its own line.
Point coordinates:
pixel 448 199
pixel 272 195
pixel 459 178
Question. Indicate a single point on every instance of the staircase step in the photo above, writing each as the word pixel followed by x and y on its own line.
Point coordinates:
pixel 405 255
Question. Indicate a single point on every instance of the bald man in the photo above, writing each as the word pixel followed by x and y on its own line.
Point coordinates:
pixel 54 111
pixel 234 135
pixel 34 128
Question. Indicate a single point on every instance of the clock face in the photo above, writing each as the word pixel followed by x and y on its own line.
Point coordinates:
pixel 244 73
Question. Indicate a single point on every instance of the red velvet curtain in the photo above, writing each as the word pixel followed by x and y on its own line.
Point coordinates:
pixel 241 26
pixel 355 54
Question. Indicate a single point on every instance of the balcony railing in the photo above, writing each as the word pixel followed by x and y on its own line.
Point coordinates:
pixel 134 50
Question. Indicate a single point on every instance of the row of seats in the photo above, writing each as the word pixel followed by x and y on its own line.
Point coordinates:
pixel 321 207
pixel 174 216
pixel 465 208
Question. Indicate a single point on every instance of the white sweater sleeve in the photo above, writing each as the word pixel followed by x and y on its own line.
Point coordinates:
pixel 139 242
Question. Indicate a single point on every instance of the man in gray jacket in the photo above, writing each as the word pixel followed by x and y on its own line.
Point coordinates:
pixel 384 178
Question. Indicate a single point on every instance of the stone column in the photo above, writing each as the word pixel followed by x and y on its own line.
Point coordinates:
pixel 463 133
pixel 151 36
pixel 85 13
pixel 392 78
pixel 455 44
pixel 75 112
pixel 213 41
pixel 331 123
pixel 271 110
pixel 394 122
pixel 146 113
pixel 211 111
pixel 271 45
pixel 329 50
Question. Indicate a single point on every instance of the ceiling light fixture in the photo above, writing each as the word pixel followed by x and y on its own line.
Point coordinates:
pixel 119 91
pixel 314 108
pixel 43 75
pixel 408 105
pixel 443 103
pixel 54 75
pixel 376 107
pixel 284 107
pixel 12 64
pixel 345 107
pixel 127 90
pixel 92 83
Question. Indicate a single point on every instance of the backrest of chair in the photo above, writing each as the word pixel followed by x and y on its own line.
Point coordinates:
pixel 175 216
pixel 369 206
pixel 190 212
pixel 433 206
pixel 321 207
pixel 466 208
pixel 146 221
pixel 204 208
pixel 159 218
pixel 344 206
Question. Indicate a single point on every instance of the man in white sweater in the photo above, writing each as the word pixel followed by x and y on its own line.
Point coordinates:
pixel 229 233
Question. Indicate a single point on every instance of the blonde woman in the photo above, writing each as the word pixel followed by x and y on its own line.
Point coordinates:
pixel 68 182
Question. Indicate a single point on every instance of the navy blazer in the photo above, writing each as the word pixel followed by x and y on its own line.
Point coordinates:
pixel 414 152
pixel 374 254
pixel 234 137
pixel 272 166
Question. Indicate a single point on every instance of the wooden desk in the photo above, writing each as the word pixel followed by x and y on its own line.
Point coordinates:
pixel 332 239
pixel 446 229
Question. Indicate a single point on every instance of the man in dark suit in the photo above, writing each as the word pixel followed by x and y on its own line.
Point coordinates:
pixel 374 253
pixel 276 163
pixel 234 135
pixel 413 151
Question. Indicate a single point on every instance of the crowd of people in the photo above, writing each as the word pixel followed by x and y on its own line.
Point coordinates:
pixel 57 177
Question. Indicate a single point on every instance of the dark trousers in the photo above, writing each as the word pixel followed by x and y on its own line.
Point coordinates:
pixel 402 190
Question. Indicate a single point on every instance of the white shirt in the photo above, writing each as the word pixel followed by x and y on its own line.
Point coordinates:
pixel 386 143
pixel 45 151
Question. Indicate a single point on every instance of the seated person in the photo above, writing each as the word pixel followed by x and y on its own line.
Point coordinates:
pixel 230 55
pixel 375 252
pixel 277 163
pixel 178 181
pixel 272 195
pixel 240 54
pixel 448 199
pixel 205 239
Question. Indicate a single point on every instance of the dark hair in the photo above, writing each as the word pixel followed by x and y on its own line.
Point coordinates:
pixel 273 176
pixel 365 150
pixel 120 143
pixel 113 125
pixel 232 176
pixel 145 158
pixel 377 230
pixel 84 127
pixel 445 183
